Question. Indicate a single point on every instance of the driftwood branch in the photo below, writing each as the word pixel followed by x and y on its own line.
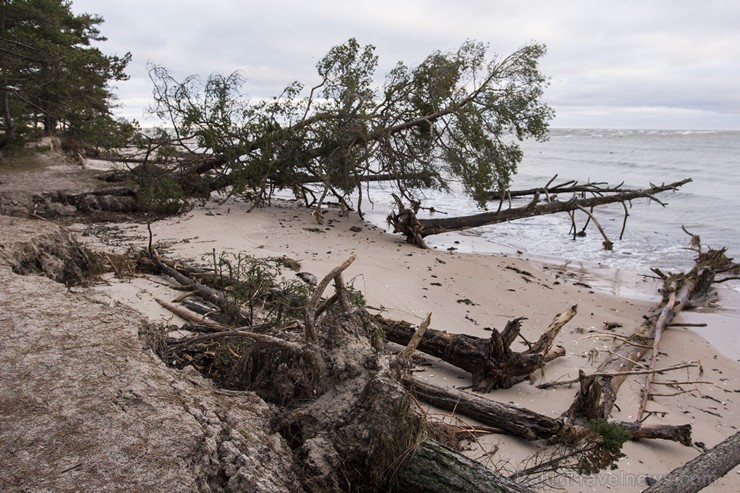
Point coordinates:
pixel 403 360
pixel 703 470
pixel 313 304
pixel 191 316
pixel 660 326
pixel 568 187
pixel 608 245
pixel 652 371
pixel 415 230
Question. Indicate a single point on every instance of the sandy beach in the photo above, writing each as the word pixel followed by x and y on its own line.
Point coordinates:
pixel 469 293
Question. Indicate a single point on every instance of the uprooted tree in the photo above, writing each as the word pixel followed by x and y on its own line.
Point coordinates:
pixel 544 200
pixel 455 117
pixel 339 398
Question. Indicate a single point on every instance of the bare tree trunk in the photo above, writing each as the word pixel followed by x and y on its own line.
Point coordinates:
pixel 10 125
pixel 511 420
pixel 435 468
pixel 703 470
pixel 421 228
pixel 529 424
pixel 597 394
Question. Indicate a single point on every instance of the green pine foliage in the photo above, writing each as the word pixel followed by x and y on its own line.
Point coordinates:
pixel 52 76
pixel 456 117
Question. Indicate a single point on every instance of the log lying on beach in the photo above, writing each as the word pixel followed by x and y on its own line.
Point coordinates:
pixel 342 353
pixel 434 468
pixel 598 393
pixel 509 419
pixel 524 423
pixel 703 470
pixel 404 221
pixel 491 362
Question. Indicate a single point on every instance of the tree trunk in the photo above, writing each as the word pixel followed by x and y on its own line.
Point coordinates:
pixel 434 468
pixel 421 228
pixel 511 420
pixel 10 126
pixel 528 424
pixel 597 394
pixel 703 470
pixel 491 362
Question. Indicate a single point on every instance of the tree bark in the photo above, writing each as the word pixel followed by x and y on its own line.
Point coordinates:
pixel 422 228
pixel 597 394
pixel 511 420
pixel 491 361
pixel 528 424
pixel 434 468
pixel 701 471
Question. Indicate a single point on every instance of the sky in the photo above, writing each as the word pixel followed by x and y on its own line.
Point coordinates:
pixel 647 64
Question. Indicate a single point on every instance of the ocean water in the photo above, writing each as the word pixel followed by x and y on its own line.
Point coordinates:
pixel 708 206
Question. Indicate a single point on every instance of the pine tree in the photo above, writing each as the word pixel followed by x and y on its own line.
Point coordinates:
pixel 52 77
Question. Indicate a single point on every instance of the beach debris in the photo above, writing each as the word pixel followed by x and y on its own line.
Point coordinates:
pixel 491 362
pixel 341 341
pixel 583 198
pixel 701 471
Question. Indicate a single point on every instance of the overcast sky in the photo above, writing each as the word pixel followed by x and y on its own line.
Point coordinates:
pixel 611 64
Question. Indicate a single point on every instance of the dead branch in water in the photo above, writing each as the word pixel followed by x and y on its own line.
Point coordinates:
pixel 404 221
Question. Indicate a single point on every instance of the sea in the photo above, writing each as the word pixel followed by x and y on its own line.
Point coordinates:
pixel 654 236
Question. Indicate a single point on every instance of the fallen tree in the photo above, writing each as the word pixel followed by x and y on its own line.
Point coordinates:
pixel 455 116
pixel 340 402
pixel 406 222
pixel 701 471
pixel 598 392
pixel 491 362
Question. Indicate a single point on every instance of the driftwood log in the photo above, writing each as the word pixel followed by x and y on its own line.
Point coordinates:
pixel 701 471
pixel 404 221
pixel 524 423
pixel 597 394
pixel 491 362
pixel 508 419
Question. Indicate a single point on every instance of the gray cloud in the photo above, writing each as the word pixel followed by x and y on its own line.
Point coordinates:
pixel 663 63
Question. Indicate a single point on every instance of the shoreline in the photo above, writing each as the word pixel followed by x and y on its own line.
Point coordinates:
pixel 466 293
